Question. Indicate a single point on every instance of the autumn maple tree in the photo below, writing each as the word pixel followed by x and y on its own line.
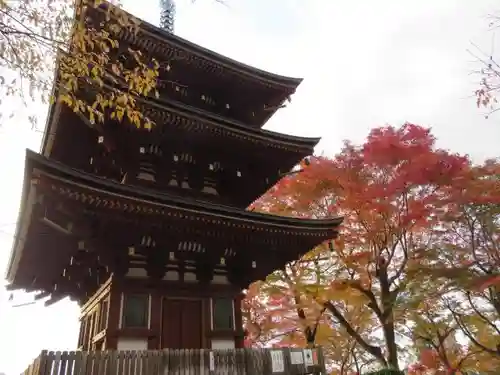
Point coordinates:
pixel 392 191
pixel 281 311
pixel 435 336
pixel 266 317
pixel 469 239
pixel 36 36
pixel 278 310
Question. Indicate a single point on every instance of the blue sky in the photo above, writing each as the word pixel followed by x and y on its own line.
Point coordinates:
pixel 365 63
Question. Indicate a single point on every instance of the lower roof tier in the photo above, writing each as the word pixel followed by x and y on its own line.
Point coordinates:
pixel 75 229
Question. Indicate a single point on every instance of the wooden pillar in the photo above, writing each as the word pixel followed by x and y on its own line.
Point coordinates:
pixel 207 322
pixel 239 339
pixel 156 317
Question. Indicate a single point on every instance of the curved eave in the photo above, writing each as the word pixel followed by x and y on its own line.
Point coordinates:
pixel 54 110
pixel 72 176
pixel 231 125
pixel 28 197
pixel 306 144
pixel 288 82
pixel 81 179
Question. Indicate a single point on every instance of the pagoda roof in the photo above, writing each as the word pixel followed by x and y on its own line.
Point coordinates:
pixel 123 200
pixel 167 46
pixel 234 128
pixel 199 120
pixel 228 63
pixel 221 60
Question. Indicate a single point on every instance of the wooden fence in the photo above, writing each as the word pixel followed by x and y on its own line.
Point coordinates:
pixel 181 362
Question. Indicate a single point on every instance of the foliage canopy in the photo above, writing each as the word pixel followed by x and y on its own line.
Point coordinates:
pixel 405 269
pixel 82 39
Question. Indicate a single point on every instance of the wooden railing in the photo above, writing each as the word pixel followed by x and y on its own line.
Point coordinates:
pixel 181 362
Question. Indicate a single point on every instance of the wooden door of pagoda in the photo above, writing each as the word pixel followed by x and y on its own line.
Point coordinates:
pixel 182 326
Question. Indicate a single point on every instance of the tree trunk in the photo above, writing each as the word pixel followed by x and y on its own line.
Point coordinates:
pixel 387 318
pixel 390 340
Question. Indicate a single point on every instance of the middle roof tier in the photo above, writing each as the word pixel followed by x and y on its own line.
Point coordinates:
pixel 190 152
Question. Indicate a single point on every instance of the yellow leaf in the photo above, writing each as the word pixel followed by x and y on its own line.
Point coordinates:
pixel 119 114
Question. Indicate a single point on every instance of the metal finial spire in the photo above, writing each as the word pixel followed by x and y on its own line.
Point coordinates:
pixel 167 16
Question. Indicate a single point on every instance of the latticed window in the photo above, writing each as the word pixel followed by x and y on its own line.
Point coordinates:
pixel 223 313
pixel 135 311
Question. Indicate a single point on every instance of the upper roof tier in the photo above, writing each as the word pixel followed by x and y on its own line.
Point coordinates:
pixel 62 208
pixel 203 78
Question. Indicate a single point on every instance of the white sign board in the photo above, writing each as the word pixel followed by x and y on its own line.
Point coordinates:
pixel 308 357
pixel 212 361
pixel 277 362
pixel 296 358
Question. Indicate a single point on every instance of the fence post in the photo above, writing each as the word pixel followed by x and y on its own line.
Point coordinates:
pixel 42 363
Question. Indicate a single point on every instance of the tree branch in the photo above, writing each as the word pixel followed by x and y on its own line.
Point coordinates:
pixel 373 350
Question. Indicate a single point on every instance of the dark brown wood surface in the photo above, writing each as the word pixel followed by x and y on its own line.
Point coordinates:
pixel 180 362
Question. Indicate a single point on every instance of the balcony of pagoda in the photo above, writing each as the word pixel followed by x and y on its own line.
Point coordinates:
pixel 220 93
pixel 181 361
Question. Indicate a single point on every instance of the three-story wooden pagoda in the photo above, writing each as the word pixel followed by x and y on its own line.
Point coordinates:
pixel 151 237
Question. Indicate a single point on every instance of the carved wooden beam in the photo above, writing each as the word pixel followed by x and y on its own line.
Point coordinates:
pixel 90 235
